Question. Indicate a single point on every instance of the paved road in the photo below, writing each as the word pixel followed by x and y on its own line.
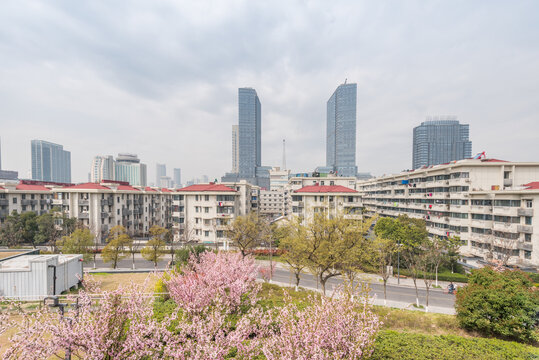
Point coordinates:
pixel 395 293
pixel 404 294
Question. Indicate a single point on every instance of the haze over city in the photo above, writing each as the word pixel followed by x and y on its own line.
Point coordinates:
pixel 161 79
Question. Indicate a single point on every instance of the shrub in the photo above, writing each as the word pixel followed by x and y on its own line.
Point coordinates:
pixel 501 303
pixel 183 255
pixel 405 346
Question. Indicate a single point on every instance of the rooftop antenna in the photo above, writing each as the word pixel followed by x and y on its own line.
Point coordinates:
pixel 345 80
pixel 284 155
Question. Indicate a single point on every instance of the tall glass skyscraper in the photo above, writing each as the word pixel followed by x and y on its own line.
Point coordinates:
pixel 50 162
pixel 341 130
pixel 102 168
pixel 160 171
pixel 440 140
pixel 129 168
pixel 249 139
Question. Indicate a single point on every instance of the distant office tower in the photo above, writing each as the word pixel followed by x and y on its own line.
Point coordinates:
pixel 50 162
pixel 439 140
pixel 235 149
pixel 103 168
pixel 250 122
pixel 165 182
pixel 128 168
pixel 341 130
pixel 160 171
pixel 177 177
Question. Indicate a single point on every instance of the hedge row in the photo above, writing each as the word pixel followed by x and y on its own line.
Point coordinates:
pixel 446 276
pixel 408 346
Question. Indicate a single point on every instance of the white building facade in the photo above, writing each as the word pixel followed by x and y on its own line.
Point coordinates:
pixel 490 204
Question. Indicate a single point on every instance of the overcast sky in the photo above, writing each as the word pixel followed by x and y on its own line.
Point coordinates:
pixel 160 78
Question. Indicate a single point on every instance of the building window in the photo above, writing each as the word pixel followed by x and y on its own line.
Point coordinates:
pixel 529 203
pixel 206 233
pixel 527 237
pixel 528 220
pixel 206 210
pixel 196 197
pixel 14 200
pixel 207 197
pixel 527 254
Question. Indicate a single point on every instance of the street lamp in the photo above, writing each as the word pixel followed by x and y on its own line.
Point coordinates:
pixel 53 302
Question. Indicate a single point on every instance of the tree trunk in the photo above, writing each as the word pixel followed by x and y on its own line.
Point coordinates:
pixel 297 280
pixel 385 291
pixel 427 306
pixel 437 274
pixel 133 253
pixel 416 292
pixel 323 284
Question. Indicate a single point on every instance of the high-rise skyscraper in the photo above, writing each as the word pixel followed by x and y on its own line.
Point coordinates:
pixel 160 171
pixel 341 130
pixel 177 177
pixel 439 140
pixel 103 168
pixel 129 168
pixel 250 123
pixel 50 162
pixel 235 149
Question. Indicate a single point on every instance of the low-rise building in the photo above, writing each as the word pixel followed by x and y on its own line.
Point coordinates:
pixel 330 200
pixel 490 204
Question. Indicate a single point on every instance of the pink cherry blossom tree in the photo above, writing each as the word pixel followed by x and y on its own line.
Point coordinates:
pixel 227 279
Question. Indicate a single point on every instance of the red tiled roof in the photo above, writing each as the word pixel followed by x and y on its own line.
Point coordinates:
pixel 88 186
pixel 325 189
pixel 147 188
pixel 32 187
pixel 207 187
pixel 1 188
pixel 165 190
pixel 534 185
pixel 127 188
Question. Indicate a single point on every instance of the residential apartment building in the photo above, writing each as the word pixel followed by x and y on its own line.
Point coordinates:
pixel 50 162
pixel 103 168
pixel 330 200
pixel 98 207
pixel 341 130
pixel 439 140
pixel 24 197
pixel 490 204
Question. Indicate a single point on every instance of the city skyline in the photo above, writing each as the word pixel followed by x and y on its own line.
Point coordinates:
pixel 92 80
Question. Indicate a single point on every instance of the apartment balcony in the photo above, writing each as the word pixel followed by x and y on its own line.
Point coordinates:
pixel 107 202
pixel 129 202
pixel 353 216
pixel 4 213
pixel 525 245
pixel 505 210
pixel 507 182
pixel 520 212
pixel 83 215
pixel 104 228
pixel 4 202
pixel 481 224
pixel 28 202
pixel 300 204
pixel 505 227
pixel 60 201
pixel 84 202
pixel 458 221
pixel 104 215
pixel 527 229
pixel 225 203
pixel 479 209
